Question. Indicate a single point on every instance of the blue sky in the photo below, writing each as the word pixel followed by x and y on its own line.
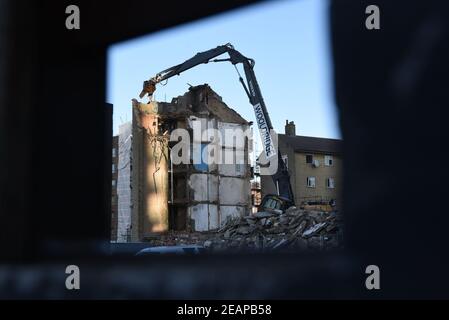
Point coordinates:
pixel 288 39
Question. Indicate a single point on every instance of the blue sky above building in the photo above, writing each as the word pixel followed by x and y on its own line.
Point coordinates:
pixel 288 39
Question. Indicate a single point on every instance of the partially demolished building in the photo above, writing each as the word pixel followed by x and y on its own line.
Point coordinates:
pixel 186 170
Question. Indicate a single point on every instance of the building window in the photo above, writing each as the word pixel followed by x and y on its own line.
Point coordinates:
pixel 311 182
pixel 328 161
pixel 309 158
pixel 113 168
pixel 114 152
pixel 330 183
pixel 113 183
pixel 285 159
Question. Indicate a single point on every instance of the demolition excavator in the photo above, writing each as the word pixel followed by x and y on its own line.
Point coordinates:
pixel 281 177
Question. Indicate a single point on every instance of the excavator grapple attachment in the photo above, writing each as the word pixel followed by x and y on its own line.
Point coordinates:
pixel 148 87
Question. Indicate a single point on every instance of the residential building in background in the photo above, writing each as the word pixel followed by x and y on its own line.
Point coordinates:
pixel 114 199
pixel 124 183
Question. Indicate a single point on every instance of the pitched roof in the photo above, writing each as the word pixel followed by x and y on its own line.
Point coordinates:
pixel 312 144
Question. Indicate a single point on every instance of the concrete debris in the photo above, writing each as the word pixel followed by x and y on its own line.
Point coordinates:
pixel 313 230
pixel 263 231
pixel 296 228
pixel 207 244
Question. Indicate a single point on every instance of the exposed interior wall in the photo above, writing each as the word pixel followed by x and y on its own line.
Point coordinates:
pixel 216 191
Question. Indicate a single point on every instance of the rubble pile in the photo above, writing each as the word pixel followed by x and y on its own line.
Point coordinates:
pixel 296 228
pixel 176 238
pixel 264 231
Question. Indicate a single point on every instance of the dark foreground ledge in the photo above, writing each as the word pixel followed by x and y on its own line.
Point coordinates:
pixel 325 275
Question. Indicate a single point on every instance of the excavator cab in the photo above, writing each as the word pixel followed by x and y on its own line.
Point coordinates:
pixel 275 203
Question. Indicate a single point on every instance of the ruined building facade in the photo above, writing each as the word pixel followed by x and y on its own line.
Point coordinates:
pixel 196 195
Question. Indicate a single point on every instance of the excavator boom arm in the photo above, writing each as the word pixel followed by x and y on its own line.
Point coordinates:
pixel 281 178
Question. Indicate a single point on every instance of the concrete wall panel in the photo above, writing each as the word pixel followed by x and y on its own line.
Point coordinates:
pixel 227 212
pixel 234 191
pixel 203 217
pixel 204 187
pixel 226 132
